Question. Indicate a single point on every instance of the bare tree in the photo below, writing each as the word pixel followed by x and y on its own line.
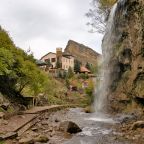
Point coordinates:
pixel 98 14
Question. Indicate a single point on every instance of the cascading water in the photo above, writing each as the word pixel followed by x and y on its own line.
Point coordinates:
pixel 104 77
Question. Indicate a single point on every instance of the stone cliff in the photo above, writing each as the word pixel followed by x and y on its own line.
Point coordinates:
pixel 126 57
pixel 82 53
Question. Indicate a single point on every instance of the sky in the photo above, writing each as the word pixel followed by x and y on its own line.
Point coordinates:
pixel 43 25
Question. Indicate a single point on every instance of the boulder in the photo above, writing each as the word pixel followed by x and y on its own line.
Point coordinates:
pixel 5 106
pixel 137 124
pixel 26 141
pixel 10 135
pixel 70 127
pixel 41 138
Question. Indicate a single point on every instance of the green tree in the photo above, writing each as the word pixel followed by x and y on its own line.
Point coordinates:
pixel 67 83
pixel 17 70
pixel 64 74
pixel 70 73
pixel 60 74
pixel 88 66
pixel 48 63
pixel 58 64
pixel 77 66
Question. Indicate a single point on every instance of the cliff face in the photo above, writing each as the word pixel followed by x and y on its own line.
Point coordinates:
pixel 82 53
pixel 126 56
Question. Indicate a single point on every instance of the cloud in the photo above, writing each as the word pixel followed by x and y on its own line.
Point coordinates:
pixel 46 24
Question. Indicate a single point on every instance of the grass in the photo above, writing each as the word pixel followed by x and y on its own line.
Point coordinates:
pixel 2 142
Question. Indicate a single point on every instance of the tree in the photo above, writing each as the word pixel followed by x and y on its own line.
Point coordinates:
pixel 98 14
pixel 60 74
pixel 64 74
pixel 58 64
pixel 88 66
pixel 70 73
pixel 48 63
pixel 77 65
pixel 17 71
pixel 67 83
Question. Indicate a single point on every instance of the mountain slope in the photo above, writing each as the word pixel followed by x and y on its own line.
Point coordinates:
pixel 82 53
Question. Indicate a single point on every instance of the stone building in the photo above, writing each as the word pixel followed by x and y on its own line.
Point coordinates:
pixel 66 60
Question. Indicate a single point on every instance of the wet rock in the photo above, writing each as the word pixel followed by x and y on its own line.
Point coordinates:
pixel 125 118
pixel 137 124
pixel 41 138
pixel 70 127
pixel 26 141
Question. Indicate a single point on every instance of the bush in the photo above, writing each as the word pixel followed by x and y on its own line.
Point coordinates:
pixel 89 91
pixel 83 76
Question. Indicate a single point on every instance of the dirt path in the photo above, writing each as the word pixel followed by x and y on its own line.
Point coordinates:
pixel 17 124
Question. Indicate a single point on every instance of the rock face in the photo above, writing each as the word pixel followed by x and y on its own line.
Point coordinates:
pixel 138 124
pixel 126 56
pixel 82 53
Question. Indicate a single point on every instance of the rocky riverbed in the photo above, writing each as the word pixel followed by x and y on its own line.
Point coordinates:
pixel 84 128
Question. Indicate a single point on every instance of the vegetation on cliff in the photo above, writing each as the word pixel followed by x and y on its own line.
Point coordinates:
pixel 98 14
pixel 17 70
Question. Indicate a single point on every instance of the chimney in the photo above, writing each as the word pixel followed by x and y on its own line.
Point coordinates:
pixel 59 52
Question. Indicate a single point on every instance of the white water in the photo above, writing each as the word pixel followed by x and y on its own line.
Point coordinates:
pixel 101 90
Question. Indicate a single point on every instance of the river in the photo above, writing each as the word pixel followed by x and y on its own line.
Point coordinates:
pixel 96 128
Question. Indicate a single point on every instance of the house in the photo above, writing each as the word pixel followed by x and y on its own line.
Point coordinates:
pixel 42 65
pixel 65 60
pixel 84 70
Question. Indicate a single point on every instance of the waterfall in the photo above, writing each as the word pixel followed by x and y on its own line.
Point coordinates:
pixel 103 79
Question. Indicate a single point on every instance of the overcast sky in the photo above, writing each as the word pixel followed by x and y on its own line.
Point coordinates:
pixel 44 25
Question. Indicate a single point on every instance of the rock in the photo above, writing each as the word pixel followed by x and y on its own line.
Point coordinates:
pixel 82 53
pixel 2 114
pixel 34 129
pixel 138 124
pixel 88 109
pixel 5 122
pixel 9 135
pixel 52 133
pixel 5 106
pixel 41 138
pixel 57 120
pixel 125 51
pixel 26 141
pixel 70 127
pixel 44 123
pixel 125 118
pixel 50 129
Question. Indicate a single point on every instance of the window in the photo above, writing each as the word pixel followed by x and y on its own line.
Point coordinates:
pixel 47 60
pixel 53 59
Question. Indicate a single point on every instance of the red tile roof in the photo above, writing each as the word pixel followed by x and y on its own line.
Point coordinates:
pixel 84 69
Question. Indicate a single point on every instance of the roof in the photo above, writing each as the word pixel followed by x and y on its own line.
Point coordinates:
pixel 84 69
pixel 64 54
pixel 67 54
pixel 40 63
pixel 47 54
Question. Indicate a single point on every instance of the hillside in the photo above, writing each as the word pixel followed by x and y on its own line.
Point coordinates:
pixel 82 53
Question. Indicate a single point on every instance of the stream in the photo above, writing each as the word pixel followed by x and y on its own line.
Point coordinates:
pixel 96 128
